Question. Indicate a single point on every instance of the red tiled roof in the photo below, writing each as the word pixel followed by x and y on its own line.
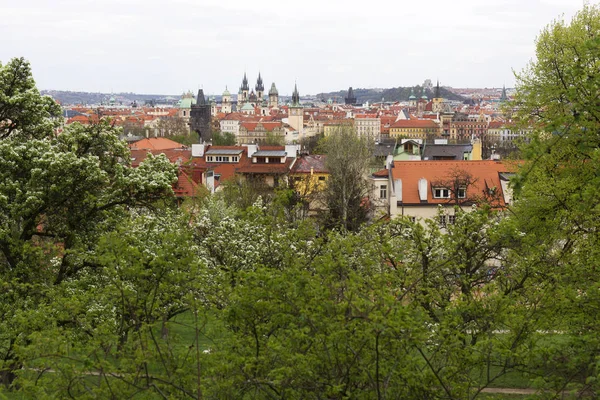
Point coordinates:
pixel 382 173
pixel 307 163
pixel 248 167
pixel 414 123
pixel 185 185
pixel 484 173
pixel 180 156
pixel 156 144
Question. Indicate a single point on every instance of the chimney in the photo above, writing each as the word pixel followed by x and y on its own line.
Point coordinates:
pixel 197 150
pixel 252 148
pixel 292 150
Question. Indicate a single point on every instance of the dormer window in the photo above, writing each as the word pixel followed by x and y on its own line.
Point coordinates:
pixel 441 193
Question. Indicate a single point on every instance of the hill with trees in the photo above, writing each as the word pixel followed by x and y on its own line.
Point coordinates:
pixel 391 94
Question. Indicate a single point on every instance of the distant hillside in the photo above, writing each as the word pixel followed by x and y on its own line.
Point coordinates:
pixel 70 98
pixel 393 94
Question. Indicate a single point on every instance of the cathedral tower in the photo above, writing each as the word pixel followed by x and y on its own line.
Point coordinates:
pixel 295 114
pixel 200 118
pixel 273 96
pixel 260 89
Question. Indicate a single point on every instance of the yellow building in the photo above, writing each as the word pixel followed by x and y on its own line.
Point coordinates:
pixel 332 127
pixel 308 178
pixel 414 128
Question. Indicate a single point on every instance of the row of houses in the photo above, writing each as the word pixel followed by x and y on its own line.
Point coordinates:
pixel 410 187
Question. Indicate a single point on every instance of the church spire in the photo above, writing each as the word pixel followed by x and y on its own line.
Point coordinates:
pixel 295 96
pixel 437 90
pixel 503 96
pixel 260 87
pixel 245 83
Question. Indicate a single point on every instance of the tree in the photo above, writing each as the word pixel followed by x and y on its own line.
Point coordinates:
pixel 348 187
pixel 172 126
pixel 224 138
pixel 58 196
pixel 558 193
pixel 23 111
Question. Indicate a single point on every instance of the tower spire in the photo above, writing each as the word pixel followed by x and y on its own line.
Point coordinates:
pixel 295 96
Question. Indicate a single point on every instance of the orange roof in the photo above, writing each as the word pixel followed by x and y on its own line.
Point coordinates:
pixel 174 155
pixel 156 144
pixel 484 174
pixel 414 123
pixel 185 186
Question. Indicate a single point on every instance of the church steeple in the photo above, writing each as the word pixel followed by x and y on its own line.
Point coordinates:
pixel 437 91
pixel 295 96
pixel 503 96
pixel 245 83
pixel 259 84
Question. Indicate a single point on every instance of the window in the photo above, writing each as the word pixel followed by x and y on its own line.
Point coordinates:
pixel 442 221
pixel 462 193
pixel 209 158
pixel 441 193
pixel 451 219
pixel 383 192
pixel 234 159
pixel 321 178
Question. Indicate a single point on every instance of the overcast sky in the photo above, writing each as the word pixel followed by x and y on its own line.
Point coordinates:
pixel 166 47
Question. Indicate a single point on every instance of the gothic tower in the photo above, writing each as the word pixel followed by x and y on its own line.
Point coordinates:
pixel 200 118
pixel 260 89
pixel 273 97
pixel 437 105
pixel 503 96
pixel 295 117
pixel 350 99
pixel 244 90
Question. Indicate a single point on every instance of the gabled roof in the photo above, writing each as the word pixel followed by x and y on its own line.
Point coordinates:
pixel 485 175
pixel 446 150
pixel 414 123
pixel 156 144
pixel 310 163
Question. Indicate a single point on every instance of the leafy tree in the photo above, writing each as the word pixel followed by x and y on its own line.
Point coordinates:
pixel 558 193
pixel 224 139
pixel 23 111
pixel 348 187
pixel 118 323
pixel 273 139
pixel 172 126
pixel 58 196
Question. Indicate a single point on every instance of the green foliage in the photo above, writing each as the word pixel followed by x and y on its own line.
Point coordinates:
pixel 23 111
pixel 559 191
pixel 107 291
pixel 223 139
pixel 348 187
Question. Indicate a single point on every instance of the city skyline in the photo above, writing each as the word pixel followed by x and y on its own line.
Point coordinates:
pixel 147 47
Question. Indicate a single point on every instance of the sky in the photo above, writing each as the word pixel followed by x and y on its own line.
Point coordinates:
pixel 168 47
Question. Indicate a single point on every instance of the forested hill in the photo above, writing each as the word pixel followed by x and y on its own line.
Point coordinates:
pixel 67 97
pixel 392 94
